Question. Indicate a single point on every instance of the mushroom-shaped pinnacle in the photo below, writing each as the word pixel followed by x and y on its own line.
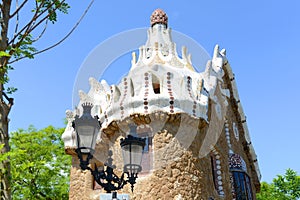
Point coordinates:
pixel 159 17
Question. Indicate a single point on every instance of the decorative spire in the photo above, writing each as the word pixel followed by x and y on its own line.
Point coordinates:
pixel 159 17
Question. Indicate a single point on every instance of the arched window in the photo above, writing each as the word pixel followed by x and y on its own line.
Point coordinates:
pixel 145 131
pixel 240 181
pixel 155 84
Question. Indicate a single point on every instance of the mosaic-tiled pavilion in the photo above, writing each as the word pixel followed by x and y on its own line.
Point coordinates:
pixel 197 140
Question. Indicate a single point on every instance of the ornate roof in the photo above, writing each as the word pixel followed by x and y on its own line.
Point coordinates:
pixel 158 83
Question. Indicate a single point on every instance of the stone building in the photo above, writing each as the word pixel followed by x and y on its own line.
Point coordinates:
pixel 197 140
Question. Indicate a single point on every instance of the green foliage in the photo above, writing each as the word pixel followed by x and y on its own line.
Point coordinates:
pixel 51 6
pixel 4 54
pixel 25 48
pixel 10 90
pixel 39 165
pixel 63 7
pixel 286 187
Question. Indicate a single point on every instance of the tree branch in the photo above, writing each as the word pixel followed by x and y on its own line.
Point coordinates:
pixel 42 33
pixel 47 16
pixel 18 9
pixel 64 38
pixel 10 101
pixel 17 19
pixel 43 19
pixel 27 26
pixel 31 25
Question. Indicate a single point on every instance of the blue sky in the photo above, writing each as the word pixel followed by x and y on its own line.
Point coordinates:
pixel 262 42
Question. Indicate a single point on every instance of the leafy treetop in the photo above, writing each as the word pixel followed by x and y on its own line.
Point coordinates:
pixel 39 165
pixel 284 187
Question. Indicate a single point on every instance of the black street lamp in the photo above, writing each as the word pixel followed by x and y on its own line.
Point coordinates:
pixel 87 128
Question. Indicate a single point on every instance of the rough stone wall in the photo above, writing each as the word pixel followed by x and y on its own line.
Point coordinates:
pixel 81 183
pixel 178 172
pixel 180 178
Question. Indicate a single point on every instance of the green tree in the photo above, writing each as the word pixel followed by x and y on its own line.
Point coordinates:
pixel 284 187
pixel 15 47
pixel 17 38
pixel 39 166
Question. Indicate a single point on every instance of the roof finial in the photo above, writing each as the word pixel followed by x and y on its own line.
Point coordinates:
pixel 159 17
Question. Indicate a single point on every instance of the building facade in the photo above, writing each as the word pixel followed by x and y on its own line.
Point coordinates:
pixel 197 140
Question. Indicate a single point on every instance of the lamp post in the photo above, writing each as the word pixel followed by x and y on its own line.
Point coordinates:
pixel 87 128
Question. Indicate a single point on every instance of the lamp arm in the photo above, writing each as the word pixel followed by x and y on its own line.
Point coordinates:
pixel 120 181
pixel 110 177
pixel 98 176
